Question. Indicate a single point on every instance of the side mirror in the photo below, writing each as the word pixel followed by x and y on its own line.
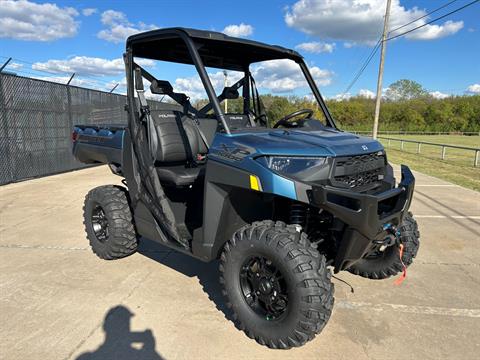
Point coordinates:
pixel 230 93
pixel 161 87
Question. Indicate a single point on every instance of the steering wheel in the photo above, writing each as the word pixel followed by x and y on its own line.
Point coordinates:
pixel 285 120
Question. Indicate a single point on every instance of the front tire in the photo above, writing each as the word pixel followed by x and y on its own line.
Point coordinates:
pixel 108 222
pixel 388 262
pixel 277 284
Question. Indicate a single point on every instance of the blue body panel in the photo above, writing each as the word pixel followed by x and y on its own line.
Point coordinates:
pixel 328 142
pixel 240 150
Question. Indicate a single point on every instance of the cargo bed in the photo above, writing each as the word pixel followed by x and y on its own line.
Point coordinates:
pixel 98 144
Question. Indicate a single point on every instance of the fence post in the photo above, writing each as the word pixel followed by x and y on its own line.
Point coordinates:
pixel 70 115
pixel 444 148
pixel 418 148
pixel 477 153
pixel 388 142
pixel 401 145
pixel 6 140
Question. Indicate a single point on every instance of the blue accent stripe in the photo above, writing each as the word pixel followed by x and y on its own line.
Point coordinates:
pixel 284 187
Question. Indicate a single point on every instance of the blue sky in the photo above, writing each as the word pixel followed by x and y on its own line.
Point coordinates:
pixel 334 36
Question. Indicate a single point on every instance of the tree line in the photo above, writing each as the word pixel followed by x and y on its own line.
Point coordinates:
pixel 406 106
pixel 426 114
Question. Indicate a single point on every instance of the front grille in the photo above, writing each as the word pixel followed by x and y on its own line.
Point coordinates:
pixel 359 172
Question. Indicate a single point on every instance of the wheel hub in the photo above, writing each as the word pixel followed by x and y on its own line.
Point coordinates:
pixel 264 288
pixel 100 223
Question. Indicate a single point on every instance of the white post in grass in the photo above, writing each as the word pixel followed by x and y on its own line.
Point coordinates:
pixel 225 84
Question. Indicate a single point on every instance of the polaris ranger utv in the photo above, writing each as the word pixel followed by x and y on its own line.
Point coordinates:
pixel 279 206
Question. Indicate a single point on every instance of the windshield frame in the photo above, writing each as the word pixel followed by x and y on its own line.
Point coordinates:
pixel 193 51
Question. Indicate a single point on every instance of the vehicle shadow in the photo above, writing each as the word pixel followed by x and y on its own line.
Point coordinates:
pixel 120 342
pixel 207 273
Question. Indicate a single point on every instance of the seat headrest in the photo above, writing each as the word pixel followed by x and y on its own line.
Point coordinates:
pixel 237 121
pixel 159 115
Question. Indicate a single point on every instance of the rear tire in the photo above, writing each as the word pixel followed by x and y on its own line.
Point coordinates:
pixel 303 286
pixel 108 222
pixel 389 263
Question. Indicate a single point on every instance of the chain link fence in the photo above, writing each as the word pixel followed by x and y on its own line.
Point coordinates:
pixel 36 122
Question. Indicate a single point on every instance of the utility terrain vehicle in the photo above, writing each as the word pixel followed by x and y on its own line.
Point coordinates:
pixel 277 205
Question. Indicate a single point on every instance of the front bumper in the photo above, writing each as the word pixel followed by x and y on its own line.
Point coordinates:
pixel 365 215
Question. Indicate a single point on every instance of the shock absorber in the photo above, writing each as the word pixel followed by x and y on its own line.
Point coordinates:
pixel 298 214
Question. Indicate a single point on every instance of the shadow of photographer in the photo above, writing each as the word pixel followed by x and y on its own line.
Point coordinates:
pixel 122 343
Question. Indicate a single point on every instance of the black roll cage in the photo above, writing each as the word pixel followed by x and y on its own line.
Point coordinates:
pixel 197 39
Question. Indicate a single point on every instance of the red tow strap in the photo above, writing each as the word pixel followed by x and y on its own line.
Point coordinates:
pixel 404 274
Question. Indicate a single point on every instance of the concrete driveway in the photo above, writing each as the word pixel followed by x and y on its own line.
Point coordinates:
pixel 55 295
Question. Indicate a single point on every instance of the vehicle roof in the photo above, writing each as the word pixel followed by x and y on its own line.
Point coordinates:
pixel 216 49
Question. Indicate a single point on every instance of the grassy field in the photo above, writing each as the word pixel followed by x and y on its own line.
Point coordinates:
pixel 458 164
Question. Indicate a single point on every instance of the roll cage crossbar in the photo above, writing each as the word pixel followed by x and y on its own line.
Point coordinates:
pixel 163 87
pixel 224 95
pixel 211 49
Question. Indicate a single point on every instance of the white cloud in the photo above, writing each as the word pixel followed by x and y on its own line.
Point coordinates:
pixel 341 97
pixel 278 76
pixel 285 75
pixel 119 28
pixel 435 31
pixel 193 87
pixel 25 20
pixel 361 21
pixel 89 11
pixel 14 66
pixel 365 93
pixel 112 17
pixel 438 95
pixel 84 65
pixel 316 47
pixel 474 89
pixel 242 30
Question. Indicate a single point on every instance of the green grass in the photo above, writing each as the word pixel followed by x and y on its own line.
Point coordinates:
pixel 457 167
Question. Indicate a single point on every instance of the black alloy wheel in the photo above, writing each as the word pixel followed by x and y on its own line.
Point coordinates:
pixel 109 223
pixel 264 288
pixel 100 224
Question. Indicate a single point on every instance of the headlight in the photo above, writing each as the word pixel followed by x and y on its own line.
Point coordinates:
pixel 304 168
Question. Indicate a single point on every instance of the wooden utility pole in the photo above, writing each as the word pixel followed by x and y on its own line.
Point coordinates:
pixel 380 70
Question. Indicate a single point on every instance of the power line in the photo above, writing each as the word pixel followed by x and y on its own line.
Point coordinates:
pixel 364 66
pixel 377 46
pixel 433 20
pixel 424 16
